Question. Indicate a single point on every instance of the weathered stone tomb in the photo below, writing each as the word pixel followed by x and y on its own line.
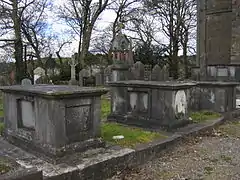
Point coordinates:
pixel 53 120
pixel 150 103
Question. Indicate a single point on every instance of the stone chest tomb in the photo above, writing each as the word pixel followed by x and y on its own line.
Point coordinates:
pixel 150 103
pixel 53 120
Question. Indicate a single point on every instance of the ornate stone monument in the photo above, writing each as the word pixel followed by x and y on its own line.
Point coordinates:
pixel 73 63
pixel 122 56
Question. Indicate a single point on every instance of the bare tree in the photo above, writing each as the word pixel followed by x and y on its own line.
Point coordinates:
pixel 34 27
pixel 175 17
pixel 23 22
pixel 81 16
pixel 11 12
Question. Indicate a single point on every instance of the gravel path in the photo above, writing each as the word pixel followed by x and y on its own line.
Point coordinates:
pixel 209 157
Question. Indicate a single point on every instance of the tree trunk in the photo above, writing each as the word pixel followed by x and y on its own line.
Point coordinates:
pixel 85 45
pixel 185 60
pixel 18 45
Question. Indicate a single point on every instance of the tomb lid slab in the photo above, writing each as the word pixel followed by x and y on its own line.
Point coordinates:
pixel 55 91
pixel 154 84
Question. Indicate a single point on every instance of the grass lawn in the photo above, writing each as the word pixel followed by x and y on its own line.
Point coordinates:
pixel 132 135
pixel 203 116
pixel 105 108
pixel 4 166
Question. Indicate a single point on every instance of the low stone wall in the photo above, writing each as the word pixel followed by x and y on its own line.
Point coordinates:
pixel 143 153
pixel 26 174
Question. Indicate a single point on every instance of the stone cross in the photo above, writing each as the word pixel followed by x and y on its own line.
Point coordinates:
pixel 73 64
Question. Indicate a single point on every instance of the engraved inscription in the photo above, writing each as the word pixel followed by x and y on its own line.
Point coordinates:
pixel 77 120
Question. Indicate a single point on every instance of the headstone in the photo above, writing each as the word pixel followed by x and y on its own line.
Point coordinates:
pixel 38 73
pixel 108 74
pixel 99 78
pixel 83 74
pixel 26 81
pixel 137 71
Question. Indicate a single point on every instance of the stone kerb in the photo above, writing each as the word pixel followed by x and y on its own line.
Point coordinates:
pixel 53 120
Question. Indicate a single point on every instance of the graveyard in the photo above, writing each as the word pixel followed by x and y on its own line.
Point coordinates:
pixel 71 118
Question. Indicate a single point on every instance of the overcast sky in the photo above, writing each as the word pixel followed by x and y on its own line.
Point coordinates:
pixel 59 27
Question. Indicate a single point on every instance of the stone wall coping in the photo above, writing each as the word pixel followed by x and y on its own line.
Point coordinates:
pixel 217 83
pixel 54 91
pixel 154 84
pixel 218 65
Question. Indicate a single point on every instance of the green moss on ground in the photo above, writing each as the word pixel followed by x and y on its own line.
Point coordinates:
pixel 1 107
pixel 132 135
pixel 1 128
pixel 105 108
pixel 4 168
pixel 203 116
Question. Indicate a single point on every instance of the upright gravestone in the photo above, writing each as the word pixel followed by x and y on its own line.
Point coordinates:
pixel 73 63
pixel 137 71
pixel 83 75
pixel 107 74
pixel 157 73
pixel 26 82
pixel 39 74
pixel 100 78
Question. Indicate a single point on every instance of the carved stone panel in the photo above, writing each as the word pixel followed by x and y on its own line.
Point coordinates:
pixel 27 118
pixel 180 103
pixel 77 121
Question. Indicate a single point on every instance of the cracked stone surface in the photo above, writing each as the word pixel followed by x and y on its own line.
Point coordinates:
pixel 212 156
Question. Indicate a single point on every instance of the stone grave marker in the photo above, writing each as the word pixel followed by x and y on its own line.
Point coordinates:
pixel 137 71
pixel 73 63
pixel 26 81
pixel 83 74
pixel 38 73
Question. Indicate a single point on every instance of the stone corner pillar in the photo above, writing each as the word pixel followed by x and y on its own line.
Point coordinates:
pixel 120 72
